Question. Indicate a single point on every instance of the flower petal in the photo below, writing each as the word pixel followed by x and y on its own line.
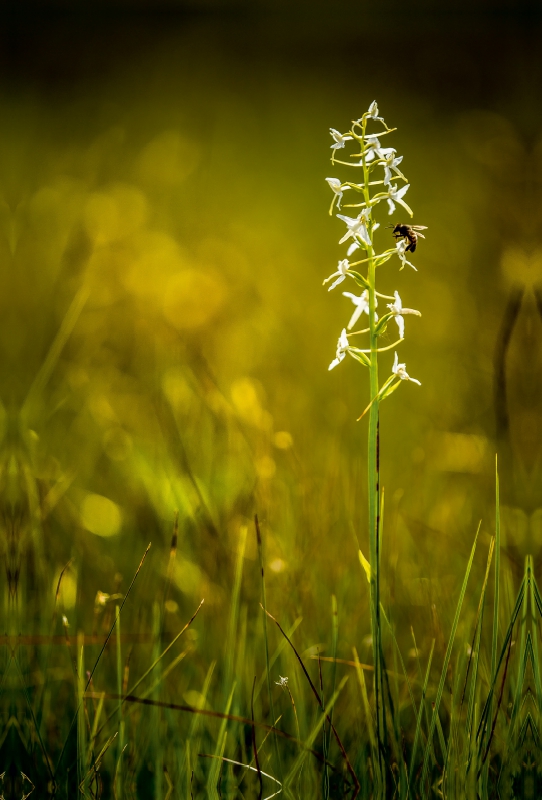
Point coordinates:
pixel 340 279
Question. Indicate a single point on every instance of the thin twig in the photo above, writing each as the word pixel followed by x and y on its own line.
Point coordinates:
pixel 503 681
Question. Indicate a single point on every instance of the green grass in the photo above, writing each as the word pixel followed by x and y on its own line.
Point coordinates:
pixel 450 726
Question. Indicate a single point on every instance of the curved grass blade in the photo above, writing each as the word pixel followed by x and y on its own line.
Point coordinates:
pixel 446 663
pixel 266 640
pixel 246 766
pixel 494 638
pixel 107 638
pixel 419 717
pixel 319 699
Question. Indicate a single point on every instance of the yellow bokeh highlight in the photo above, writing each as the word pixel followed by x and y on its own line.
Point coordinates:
pixel 277 565
pixel 195 699
pixel 283 440
pixel 115 214
pixel 265 467
pixel 192 298
pixel 187 576
pixel 100 515
pixel 68 588
pixel 245 397
pixel 152 258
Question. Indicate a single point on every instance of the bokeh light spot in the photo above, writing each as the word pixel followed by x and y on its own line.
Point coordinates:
pixel 192 298
pixel 265 467
pixel 100 515
pixel 68 588
pixel 283 440
pixel 244 394
pixel 115 214
pixel 195 699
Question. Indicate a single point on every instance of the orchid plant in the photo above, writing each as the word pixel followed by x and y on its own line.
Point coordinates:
pixel 380 168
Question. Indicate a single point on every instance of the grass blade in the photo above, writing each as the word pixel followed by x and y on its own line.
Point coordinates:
pixel 419 717
pixel 494 638
pixel 266 641
pixel 446 662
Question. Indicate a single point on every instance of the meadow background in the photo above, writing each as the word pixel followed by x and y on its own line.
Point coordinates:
pixel 165 339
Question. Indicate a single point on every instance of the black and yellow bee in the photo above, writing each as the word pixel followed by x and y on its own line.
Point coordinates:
pixel 410 233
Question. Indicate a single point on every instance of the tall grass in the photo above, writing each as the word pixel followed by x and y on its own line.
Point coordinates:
pixel 456 726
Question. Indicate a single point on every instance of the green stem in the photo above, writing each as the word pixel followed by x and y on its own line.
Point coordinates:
pixel 373 474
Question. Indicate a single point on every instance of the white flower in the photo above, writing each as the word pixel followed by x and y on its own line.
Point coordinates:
pixel 392 162
pixel 339 138
pixel 396 195
pixel 342 349
pixel 352 249
pixel 373 149
pixel 357 228
pixel 372 113
pixel 338 190
pixel 282 682
pixel 101 599
pixel 400 371
pixel 342 272
pixel 401 246
pixel 362 306
pixel 397 309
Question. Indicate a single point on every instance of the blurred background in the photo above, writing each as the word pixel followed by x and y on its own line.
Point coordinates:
pixel 165 336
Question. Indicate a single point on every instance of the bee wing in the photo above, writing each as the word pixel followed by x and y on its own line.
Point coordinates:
pixel 421 234
pixel 420 228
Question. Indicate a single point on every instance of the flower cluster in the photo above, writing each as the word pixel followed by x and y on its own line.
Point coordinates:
pixel 380 167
